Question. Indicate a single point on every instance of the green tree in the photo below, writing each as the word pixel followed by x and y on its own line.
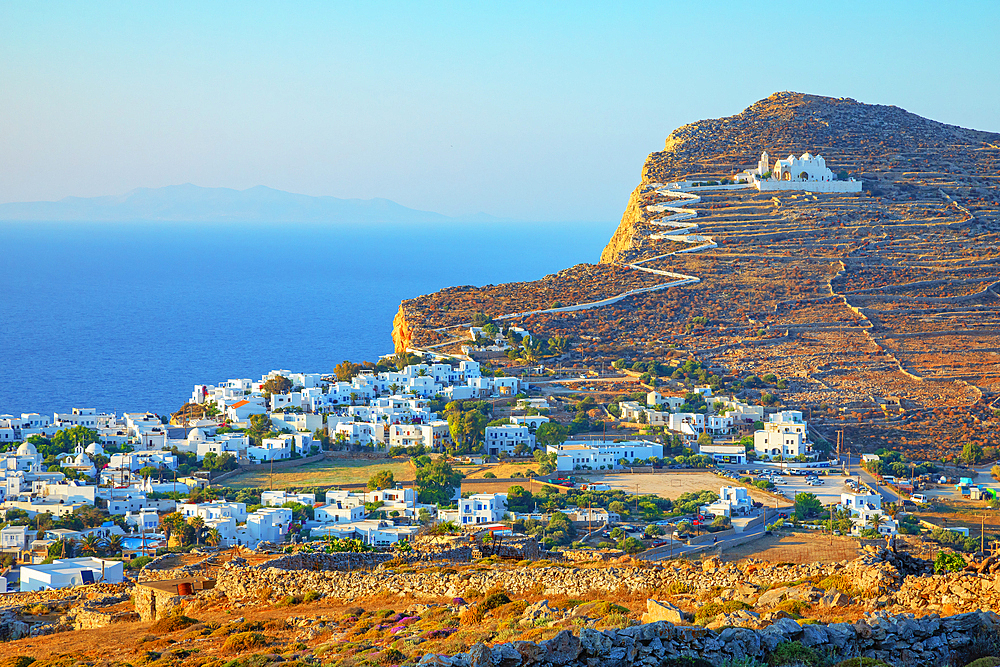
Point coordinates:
pixel 383 479
pixel 550 434
pixel 972 453
pixel 704 439
pixel 519 499
pixel 437 481
pixel 67 439
pixel 346 370
pixel 559 344
pixel 278 384
pixel 632 545
pixel 807 506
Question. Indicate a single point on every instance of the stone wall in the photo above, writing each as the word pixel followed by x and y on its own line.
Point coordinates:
pixel 88 619
pixel 902 640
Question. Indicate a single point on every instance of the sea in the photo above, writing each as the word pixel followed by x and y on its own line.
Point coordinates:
pixel 129 317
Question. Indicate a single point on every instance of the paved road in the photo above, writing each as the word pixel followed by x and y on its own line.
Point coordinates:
pixel 679 548
pixel 853 466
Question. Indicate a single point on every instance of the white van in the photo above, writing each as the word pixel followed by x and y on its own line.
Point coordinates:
pixel 919 498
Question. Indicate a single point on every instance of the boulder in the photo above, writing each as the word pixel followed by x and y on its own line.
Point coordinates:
pixel 835 598
pixel 662 611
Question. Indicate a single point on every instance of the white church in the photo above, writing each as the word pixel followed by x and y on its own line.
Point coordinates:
pixel 806 172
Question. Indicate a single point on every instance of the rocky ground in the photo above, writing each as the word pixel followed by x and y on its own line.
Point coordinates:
pixel 287 611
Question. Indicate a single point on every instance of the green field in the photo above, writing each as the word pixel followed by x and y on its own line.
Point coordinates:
pixel 321 473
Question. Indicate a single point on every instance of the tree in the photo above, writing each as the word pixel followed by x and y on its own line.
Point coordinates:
pixel 68 438
pixel 346 370
pixel 147 471
pixel 198 524
pixel 278 384
pixel 383 479
pixel 172 524
pixel 550 434
pixel 704 439
pixel 519 499
pixel 972 453
pixel 559 344
pixel 807 505
pixel 213 538
pixel 632 545
pixel 437 481
pixel 113 544
pixel 91 544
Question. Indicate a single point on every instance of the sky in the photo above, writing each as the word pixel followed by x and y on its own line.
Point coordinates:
pixel 539 111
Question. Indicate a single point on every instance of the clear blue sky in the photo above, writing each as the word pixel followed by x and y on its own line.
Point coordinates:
pixel 534 110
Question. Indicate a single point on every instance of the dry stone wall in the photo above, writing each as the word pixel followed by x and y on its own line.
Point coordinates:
pixel 900 640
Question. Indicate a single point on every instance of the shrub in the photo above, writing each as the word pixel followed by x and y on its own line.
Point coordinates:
pixel 707 612
pixel 171 624
pixel 791 653
pixel 678 587
pixel 245 641
pixel 946 562
pixel 391 656
pixel 794 607
pixel 16 661
pixel 685 661
pixel 861 662
pixel 310 596
pixel 494 600
pixel 990 661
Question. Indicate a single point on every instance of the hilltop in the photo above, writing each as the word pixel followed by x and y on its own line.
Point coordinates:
pixel 880 308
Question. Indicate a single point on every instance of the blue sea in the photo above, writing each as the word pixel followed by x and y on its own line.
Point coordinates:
pixel 129 317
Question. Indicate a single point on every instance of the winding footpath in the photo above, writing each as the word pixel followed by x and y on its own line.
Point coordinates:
pixel 678 220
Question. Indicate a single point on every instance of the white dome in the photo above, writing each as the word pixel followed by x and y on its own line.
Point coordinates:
pixel 27 449
pixel 82 460
pixel 95 448
pixel 196 435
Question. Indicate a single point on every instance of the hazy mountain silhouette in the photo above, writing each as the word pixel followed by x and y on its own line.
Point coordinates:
pixel 191 203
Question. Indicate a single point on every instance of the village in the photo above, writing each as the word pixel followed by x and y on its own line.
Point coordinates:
pixel 89 496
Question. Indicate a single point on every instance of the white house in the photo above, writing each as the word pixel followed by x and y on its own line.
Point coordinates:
pixel 785 435
pixel 507 438
pixel 279 498
pixel 62 573
pixel 339 513
pixel 357 433
pixel 482 508
pixel 733 501
pixel 602 454
pixel 531 421
pixel 733 454
pixel 16 538
pixel 145 520
pixel 432 435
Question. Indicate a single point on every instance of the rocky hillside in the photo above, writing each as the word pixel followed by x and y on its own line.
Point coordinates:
pixel 879 309
pixel 869 141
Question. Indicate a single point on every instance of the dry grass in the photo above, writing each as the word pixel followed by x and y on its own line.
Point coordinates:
pixel 796 548
pixel 322 473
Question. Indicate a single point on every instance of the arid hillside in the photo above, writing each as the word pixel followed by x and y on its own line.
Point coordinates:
pixel 880 308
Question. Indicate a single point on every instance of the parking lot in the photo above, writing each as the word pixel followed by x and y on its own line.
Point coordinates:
pixel 828 492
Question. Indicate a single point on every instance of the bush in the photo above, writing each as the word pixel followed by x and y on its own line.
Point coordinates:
pixel 861 662
pixel 707 612
pixel 171 624
pixel 685 661
pixel 794 607
pixel 16 661
pixel 310 596
pixel 391 656
pixel 791 653
pixel 946 562
pixel 245 641
pixel 990 661
pixel 494 600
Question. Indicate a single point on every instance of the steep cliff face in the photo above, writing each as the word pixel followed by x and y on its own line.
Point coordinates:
pixel 622 240
pixel 402 332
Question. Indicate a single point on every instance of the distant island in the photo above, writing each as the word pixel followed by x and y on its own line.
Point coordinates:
pixel 191 203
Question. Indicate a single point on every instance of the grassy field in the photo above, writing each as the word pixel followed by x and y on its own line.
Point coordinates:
pixel 502 470
pixel 322 473
pixel 799 547
pixel 671 484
